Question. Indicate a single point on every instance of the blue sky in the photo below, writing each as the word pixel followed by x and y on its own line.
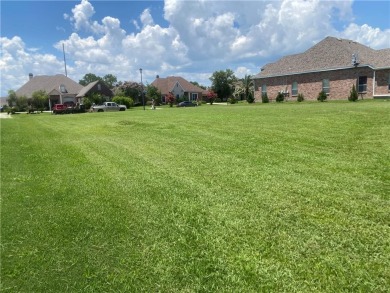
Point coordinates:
pixel 187 38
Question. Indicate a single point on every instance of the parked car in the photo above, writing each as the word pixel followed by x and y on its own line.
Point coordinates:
pixel 108 106
pixel 59 109
pixel 186 104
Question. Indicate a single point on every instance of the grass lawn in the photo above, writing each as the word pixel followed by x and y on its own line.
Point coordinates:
pixel 289 197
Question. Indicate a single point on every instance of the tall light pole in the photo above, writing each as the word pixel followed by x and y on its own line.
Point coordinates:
pixel 142 89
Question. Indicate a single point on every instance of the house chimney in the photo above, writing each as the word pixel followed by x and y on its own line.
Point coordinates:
pixel 157 76
pixel 30 76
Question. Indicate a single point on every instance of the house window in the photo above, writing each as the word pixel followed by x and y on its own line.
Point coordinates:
pixel 263 89
pixel 325 86
pixel 294 88
pixel 194 96
pixel 388 82
pixel 362 85
pixel 99 87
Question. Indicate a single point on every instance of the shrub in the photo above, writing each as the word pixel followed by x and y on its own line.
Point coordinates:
pixel 300 98
pixel 322 96
pixel 353 95
pixel 232 100
pixel 122 100
pixel 264 98
pixel 279 97
pixel 250 99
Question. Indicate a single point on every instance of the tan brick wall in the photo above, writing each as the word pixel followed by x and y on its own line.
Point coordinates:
pixel 310 84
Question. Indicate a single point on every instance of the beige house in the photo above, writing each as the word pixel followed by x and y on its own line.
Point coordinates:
pixel 60 88
pixel 333 65
pixel 179 87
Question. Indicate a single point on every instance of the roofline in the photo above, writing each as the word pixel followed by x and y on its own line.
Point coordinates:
pixel 322 70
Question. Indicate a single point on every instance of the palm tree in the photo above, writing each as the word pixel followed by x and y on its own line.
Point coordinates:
pixel 244 88
pixel 248 86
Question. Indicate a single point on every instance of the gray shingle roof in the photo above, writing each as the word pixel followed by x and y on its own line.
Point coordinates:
pixel 329 54
pixel 49 84
pixel 87 88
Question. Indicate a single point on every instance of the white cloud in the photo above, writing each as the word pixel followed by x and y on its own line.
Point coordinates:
pixel 146 18
pixel 17 61
pixel 365 34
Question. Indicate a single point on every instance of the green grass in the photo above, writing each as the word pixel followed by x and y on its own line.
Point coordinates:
pixel 289 197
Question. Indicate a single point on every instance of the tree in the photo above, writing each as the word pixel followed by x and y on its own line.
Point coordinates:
pixel 211 96
pixel 198 85
pixel 223 83
pixel 152 93
pixel 22 103
pixel 12 98
pixel 353 95
pixel 169 99
pixel 243 89
pixel 129 89
pixel 88 78
pixel 110 80
pixel 40 100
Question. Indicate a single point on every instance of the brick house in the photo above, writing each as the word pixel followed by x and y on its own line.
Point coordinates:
pixel 179 87
pixel 332 65
pixel 98 87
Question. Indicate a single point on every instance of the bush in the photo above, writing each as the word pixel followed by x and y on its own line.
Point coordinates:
pixel 264 98
pixel 322 96
pixel 300 98
pixel 122 100
pixel 250 99
pixel 280 97
pixel 232 100
pixel 353 95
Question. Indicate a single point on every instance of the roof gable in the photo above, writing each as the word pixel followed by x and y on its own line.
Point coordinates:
pixel 166 85
pixel 93 87
pixel 329 54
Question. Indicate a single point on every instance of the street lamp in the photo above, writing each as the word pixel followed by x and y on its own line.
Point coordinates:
pixel 142 89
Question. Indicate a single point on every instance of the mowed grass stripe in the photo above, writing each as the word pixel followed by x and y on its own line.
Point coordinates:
pixel 287 197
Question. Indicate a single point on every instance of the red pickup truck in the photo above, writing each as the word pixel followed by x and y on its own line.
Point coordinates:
pixel 59 109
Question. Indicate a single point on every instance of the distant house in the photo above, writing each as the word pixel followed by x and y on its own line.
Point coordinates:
pixel 98 87
pixel 60 88
pixel 179 87
pixel 332 65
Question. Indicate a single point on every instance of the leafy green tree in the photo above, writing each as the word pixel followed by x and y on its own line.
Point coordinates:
pixel 152 93
pixel 198 85
pixel 223 83
pixel 22 103
pixel 129 89
pixel 40 100
pixel 353 95
pixel 88 78
pixel 110 80
pixel 12 98
pixel 248 86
